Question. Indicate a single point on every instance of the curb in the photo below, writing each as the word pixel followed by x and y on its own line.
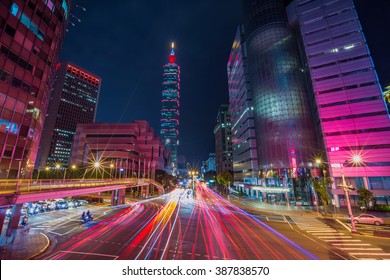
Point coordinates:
pixel 43 250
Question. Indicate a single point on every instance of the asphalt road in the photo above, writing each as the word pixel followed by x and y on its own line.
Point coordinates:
pixel 200 225
pixel 179 225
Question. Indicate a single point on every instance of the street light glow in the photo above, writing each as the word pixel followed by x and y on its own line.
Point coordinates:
pixel 318 161
pixel 111 165
pixel 96 164
pixel 58 166
pixel 356 158
pixel 73 166
pixel 47 168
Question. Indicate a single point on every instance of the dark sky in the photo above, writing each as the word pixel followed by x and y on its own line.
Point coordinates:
pixel 126 43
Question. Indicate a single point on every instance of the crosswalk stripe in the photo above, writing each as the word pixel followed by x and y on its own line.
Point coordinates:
pixel 327 230
pixel 335 240
pixel 370 254
pixel 328 233
pixel 336 236
pixel 363 249
pixel 350 244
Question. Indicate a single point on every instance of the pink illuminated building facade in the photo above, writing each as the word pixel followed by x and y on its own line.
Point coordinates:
pixel 353 115
pixel 31 36
pixel 128 150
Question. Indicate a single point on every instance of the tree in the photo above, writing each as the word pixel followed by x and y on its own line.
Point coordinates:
pixel 320 186
pixel 210 175
pixel 225 179
pixel 365 197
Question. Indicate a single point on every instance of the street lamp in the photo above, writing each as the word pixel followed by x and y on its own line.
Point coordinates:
pixel 111 167
pixel 356 159
pixel 193 173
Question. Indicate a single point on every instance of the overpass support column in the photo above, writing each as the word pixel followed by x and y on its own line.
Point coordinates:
pixel 114 197
pixel 121 196
pixel 3 212
pixel 14 223
pixel 147 191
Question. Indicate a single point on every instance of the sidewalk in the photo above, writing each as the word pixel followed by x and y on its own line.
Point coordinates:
pixel 25 246
pixel 341 212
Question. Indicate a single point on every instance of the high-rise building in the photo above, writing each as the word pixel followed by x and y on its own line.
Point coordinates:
pixel 282 113
pixel 245 166
pixel 223 141
pixel 210 162
pixel 73 100
pixel 354 118
pixel 170 104
pixel 31 36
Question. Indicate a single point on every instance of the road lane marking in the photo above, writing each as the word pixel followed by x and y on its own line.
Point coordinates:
pixel 350 244
pixel 370 254
pixel 364 249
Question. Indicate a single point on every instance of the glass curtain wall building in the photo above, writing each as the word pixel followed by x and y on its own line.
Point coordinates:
pixel 354 117
pixel 170 104
pixel 73 100
pixel 245 166
pixel 31 36
pixel 284 126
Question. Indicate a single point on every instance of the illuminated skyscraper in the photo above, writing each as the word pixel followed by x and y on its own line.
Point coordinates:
pixel 354 118
pixel 170 107
pixel 283 117
pixel 73 101
pixel 31 35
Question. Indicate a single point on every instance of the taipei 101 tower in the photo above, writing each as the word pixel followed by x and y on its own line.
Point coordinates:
pixel 170 107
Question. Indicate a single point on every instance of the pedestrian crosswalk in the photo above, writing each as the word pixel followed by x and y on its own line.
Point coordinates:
pixel 356 248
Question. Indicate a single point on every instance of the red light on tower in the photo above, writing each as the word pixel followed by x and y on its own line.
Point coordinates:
pixel 172 57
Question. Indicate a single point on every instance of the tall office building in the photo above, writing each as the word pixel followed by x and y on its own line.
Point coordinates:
pixel 31 36
pixel 280 96
pixel 73 100
pixel 354 118
pixel 245 166
pixel 223 141
pixel 210 162
pixel 170 103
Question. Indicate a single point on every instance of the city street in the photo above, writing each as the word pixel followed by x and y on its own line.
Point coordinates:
pixel 200 225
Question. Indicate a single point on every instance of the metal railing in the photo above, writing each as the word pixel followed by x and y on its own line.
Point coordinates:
pixel 26 186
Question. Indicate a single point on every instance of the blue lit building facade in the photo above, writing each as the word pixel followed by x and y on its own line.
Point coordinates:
pixel 283 118
pixel 170 104
pixel 73 101
pixel 31 36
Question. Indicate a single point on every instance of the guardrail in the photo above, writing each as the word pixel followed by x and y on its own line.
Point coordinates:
pixel 26 186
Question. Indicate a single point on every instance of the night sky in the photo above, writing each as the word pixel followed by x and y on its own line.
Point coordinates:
pixel 126 43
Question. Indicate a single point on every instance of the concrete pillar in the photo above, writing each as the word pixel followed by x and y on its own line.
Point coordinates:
pixel 114 197
pixel 147 191
pixel 121 196
pixel 14 223
pixel 365 183
pixel 3 211
pixel 257 194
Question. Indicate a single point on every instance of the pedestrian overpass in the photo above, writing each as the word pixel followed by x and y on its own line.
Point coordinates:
pixel 14 193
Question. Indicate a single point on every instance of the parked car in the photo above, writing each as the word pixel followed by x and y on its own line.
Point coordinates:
pixel 367 219
pixel 62 205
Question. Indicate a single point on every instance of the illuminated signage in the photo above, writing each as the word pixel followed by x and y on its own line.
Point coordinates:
pixel 6 126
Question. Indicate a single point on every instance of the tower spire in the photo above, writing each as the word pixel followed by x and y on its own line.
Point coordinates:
pixel 172 58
